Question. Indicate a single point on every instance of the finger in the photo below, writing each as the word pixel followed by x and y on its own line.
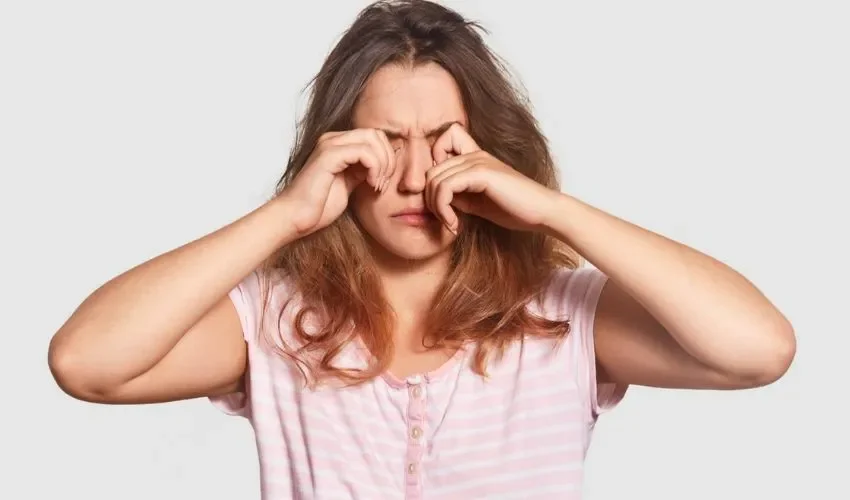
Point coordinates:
pixel 391 163
pixel 434 175
pixel 453 142
pixel 468 177
pixel 444 166
pixel 443 194
pixel 363 154
pixel 371 138
pixel 331 135
pixel 440 192
pixel 438 198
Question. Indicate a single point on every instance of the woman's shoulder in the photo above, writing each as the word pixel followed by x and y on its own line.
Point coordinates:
pixel 264 294
pixel 570 289
pixel 264 284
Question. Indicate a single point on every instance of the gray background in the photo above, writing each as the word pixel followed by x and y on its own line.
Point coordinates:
pixel 128 128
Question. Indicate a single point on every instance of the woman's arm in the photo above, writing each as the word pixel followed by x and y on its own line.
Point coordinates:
pixel 670 316
pixel 166 330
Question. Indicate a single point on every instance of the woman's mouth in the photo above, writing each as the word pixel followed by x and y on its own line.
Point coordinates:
pixel 417 217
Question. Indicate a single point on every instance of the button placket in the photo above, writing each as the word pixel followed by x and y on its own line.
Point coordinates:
pixel 415 435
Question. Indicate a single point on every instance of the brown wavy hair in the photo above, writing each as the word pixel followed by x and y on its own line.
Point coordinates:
pixel 495 272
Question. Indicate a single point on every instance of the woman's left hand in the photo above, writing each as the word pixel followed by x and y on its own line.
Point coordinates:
pixel 470 179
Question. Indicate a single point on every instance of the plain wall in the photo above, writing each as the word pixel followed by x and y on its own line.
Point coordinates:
pixel 129 128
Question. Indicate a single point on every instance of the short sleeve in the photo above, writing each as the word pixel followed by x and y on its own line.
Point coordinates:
pixel 247 300
pixel 576 294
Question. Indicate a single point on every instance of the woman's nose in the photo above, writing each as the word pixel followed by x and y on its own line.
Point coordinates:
pixel 415 162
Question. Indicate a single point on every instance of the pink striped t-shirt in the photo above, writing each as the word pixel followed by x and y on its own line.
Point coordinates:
pixel 449 434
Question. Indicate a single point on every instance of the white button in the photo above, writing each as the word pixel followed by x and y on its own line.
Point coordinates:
pixel 417 392
pixel 416 432
pixel 415 379
pixel 411 468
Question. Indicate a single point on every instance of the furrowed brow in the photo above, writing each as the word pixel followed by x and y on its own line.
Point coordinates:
pixel 437 132
pixel 393 133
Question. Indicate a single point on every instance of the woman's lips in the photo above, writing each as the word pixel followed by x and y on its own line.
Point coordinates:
pixel 415 218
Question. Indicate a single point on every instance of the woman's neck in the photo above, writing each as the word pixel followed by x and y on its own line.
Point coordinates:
pixel 410 287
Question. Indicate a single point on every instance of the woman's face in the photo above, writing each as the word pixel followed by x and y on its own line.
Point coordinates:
pixel 413 105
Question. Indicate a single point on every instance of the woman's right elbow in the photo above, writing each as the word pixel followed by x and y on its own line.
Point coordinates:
pixel 75 374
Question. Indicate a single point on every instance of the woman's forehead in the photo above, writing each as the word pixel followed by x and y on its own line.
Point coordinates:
pixel 410 100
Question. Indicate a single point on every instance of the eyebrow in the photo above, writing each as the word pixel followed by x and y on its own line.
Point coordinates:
pixel 435 132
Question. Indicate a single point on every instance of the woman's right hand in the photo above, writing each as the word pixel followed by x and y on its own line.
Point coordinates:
pixel 339 163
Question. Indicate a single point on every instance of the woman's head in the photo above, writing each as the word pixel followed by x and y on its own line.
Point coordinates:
pixel 412 68
pixel 413 104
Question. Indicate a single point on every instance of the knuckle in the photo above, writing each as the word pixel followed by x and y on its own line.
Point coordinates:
pixel 354 133
pixel 326 141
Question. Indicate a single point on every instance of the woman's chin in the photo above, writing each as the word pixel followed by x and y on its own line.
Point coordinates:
pixel 417 247
pixel 418 252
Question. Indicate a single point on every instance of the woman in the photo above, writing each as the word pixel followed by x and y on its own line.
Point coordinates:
pixel 407 317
